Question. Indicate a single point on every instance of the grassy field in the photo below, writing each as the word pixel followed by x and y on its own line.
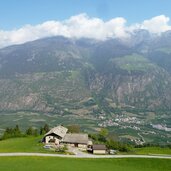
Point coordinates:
pixel 31 144
pixel 66 164
pixel 153 150
pixel 24 144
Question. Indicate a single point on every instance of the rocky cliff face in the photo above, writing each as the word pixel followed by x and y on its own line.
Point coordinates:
pixel 60 75
pixel 147 91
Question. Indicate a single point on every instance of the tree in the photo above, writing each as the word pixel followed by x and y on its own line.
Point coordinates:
pixel 12 132
pixel 17 131
pixel 104 132
pixel 102 136
pixel 46 128
pixel 42 131
pixel 73 128
pixel 35 132
pixel 7 133
pixel 30 131
pixel 111 144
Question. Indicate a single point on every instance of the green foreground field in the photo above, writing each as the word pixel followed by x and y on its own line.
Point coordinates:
pixel 153 150
pixel 23 144
pixel 68 164
pixel 31 144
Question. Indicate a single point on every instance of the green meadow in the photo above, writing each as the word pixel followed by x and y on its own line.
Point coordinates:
pixel 23 144
pixel 153 150
pixel 68 164
pixel 32 144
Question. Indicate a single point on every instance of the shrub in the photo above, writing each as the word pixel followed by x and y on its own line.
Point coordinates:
pixel 61 149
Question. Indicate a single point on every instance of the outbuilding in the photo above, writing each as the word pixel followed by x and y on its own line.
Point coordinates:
pixel 99 149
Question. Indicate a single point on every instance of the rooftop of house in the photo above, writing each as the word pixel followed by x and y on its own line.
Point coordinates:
pixel 99 147
pixel 59 130
pixel 76 138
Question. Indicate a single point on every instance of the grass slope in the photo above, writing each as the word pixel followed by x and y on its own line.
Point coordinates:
pixel 65 164
pixel 25 144
pixel 153 150
pixel 31 144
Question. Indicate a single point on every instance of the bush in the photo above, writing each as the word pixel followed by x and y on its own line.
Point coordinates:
pixel 62 149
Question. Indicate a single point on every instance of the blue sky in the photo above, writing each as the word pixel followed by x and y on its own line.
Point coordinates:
pixel 16 13
pixel 28 20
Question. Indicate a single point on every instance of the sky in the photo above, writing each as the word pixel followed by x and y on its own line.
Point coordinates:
pixel 26 20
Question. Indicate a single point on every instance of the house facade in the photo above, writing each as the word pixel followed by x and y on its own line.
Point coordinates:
pixel 55 135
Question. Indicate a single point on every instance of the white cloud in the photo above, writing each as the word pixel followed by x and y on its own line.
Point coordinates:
pixel 157 24
pixel 82 26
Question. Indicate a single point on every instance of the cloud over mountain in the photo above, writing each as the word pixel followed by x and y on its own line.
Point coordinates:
pixel 83 26
pixel 157 24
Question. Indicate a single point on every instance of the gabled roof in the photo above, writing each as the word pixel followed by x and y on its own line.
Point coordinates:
pixel 76 138
pixel 59 130
pixel 99 147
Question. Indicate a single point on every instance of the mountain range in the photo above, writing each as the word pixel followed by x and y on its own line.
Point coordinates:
pixel 59 74
pixel 122 84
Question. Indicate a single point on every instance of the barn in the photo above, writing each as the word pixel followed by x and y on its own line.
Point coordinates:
pixel 76 140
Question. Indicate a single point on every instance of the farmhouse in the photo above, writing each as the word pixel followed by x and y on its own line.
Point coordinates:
pixel 99 149
pixel 58 135
pixel 55 135
pixel 76 140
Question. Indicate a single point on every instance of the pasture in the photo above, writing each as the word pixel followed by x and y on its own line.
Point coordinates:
pixel 71 164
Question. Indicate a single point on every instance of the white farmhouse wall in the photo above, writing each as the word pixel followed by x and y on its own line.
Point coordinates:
pixel 99 151
pixel 47 138
pixel 82 146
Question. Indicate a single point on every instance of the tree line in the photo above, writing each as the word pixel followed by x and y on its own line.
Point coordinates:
pixel 30 131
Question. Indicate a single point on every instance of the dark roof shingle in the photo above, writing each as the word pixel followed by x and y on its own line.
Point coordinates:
pixel 76 138
pixel 99 147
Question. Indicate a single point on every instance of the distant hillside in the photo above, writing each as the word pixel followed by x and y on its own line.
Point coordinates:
pixel 58 74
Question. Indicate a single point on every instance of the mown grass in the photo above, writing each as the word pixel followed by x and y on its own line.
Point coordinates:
pixel 153 150
pixel 32 144
pixel 68 164
pixel 24 144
